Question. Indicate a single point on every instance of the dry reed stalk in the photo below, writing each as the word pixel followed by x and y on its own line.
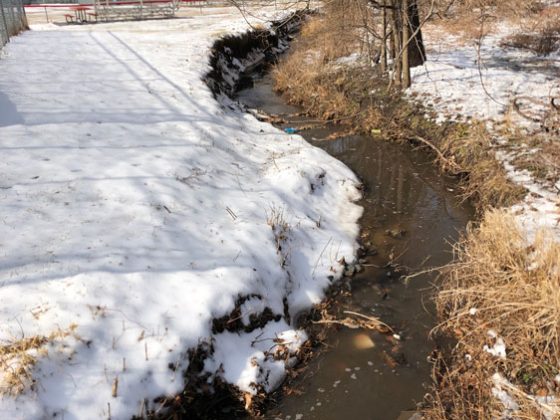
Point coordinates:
pixel 502 283
pixel 356 320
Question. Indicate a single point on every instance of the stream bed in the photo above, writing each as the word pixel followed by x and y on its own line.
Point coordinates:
pixel 411 217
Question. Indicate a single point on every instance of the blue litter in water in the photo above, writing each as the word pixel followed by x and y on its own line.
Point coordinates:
pixel 290 130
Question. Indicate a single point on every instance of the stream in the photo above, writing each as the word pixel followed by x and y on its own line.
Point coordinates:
pixel 412 217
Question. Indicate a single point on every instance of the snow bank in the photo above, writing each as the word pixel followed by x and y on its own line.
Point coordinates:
pixel 136 211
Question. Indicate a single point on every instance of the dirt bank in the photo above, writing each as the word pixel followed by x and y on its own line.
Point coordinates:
pixel 235 57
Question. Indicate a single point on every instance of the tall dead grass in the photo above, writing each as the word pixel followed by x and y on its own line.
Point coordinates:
pixel 500 287
pixel 486 182
pixel 472 19
pixel 310 77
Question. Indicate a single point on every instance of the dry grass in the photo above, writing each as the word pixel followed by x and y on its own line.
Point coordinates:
pixel 465 26
pixel 19 356
pixel 538 25
pixel 543 160
pixel 501 8
pixel 471 19
pixel 275 218
pixel 309 78
pixel 500 283
pixel 486 183
pixel 539 32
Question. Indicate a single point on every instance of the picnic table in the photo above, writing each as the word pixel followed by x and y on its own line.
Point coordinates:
pixel 80 13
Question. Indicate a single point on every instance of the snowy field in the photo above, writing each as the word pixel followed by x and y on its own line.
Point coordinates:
pixel 461 80
pixel 135 211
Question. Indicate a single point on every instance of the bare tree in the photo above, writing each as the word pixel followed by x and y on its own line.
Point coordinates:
pixel 403 33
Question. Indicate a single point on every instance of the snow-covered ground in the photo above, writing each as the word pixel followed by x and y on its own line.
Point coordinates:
pixel 135 211
pixel 463 79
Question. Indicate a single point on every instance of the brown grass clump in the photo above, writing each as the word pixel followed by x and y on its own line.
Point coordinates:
pixel 19 356
pixel 487 183
pixel 17 360
pixel 309 76
pixel 500 283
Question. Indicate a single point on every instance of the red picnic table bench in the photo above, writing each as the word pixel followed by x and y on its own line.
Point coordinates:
pixel 80 14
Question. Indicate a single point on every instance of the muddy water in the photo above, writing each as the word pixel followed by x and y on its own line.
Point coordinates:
pixel 411 217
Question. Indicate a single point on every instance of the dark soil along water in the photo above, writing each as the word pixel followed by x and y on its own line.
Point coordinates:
pixel 411 217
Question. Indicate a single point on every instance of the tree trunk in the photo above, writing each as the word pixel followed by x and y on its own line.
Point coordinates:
pixel 397 42
pixel 416 50
pixel 405 42
pixel 401 29
pixel 384 41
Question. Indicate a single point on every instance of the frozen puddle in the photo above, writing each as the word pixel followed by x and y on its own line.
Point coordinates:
pixel 135 212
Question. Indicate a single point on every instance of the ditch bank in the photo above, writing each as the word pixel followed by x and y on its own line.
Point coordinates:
pixel 411 216
pixel 235 58
pixel 208 396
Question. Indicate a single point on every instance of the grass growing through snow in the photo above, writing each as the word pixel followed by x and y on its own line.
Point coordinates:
pixel 18 358
pixel 280 229
pixel 500 287
pixel 539 31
